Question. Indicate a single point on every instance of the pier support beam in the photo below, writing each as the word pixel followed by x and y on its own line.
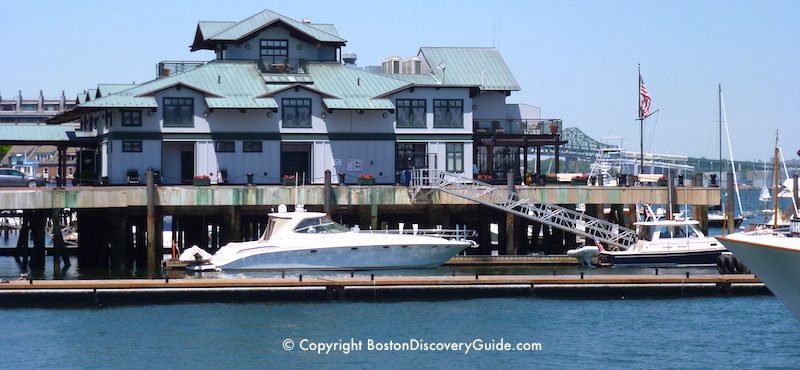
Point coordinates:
pixel 154 243
pixel 231 225
pixel 38 223
pixel 59 249
pixel 118 230
pixel 729 220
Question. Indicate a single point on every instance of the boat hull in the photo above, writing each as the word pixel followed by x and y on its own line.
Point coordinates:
pixel 775 260
pixel 658 259
pixel 346 257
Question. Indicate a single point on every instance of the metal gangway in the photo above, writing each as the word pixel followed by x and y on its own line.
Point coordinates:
pixel 549 214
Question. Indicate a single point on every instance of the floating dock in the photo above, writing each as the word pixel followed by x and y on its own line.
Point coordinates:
pixel 55 293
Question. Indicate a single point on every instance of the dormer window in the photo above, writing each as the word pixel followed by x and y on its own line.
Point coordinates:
pixel 274 49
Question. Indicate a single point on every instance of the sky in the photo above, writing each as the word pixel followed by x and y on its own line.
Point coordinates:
pixel 576 60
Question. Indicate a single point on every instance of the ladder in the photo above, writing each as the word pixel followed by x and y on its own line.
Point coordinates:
pixel 502 199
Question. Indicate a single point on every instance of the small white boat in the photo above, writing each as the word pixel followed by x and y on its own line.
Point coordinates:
pixel 312 241
pixel 584 254
pixel 667 243
pixel 774 258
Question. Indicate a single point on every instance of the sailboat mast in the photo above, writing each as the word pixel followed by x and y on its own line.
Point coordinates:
pixel 776 178
pixel 719 97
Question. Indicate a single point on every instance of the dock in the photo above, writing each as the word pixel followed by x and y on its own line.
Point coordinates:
pixel 360 287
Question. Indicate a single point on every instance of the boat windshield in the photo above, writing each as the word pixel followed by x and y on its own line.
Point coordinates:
pixel 273 226
pixel 319 225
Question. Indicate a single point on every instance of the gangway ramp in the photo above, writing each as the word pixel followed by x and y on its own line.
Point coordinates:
pixel 508 201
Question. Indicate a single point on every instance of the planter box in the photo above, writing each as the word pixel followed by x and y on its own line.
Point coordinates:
pixel 551 180
pixel 366 182
pixel 579 181
pixel 289 182
pixel 201 182
pixel 661 183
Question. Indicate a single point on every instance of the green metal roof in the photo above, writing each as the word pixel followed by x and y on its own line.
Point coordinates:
pixel 108 89
pixel 226 84
pixel 37 133
pixel 209 29
pixel 326 27
pixel 353 88
pixel 482 67
pixel 265 18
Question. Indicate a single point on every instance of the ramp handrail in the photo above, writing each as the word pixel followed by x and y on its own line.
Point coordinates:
pixel 508 201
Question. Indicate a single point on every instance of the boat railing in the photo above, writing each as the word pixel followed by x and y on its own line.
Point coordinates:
pixel 458 233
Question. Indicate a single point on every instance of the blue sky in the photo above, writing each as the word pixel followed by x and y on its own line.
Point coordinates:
pixel 577 60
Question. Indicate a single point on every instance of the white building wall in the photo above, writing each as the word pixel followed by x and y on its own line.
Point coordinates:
pixel 149 157
pixel 429 94
pixel 376 157
pixel 490 105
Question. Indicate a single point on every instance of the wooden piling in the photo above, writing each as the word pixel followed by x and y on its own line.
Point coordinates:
pixel 153 258
pixel 38 224
pixel 327 193
pixel 729 220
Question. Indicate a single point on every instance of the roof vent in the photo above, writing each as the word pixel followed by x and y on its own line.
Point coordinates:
pixel 306 20
pixel 391 65
pixel 349 58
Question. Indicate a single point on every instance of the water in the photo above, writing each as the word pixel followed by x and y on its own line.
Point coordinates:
pixel 708 332
pixel 744 332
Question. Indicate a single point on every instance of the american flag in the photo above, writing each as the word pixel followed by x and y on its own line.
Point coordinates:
pixel 644 105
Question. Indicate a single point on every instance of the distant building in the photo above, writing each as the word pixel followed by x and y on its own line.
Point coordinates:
pixel 282 98
pixel 36 159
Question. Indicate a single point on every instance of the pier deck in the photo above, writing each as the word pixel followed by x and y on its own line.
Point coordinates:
pixel 60 293
pixel 382 281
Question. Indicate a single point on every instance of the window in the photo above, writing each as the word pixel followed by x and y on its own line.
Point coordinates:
pixel 454 153
pixel 411 113
pixel 448 113
pixel 251 147
pixel 131 146
pixel 296 112
pixel 409 155
pixel 274 48
pixel 179 112
pixel 131 117
pixel 29 107
pixel 225 146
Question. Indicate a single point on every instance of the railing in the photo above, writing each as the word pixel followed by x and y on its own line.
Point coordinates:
pixel 511 202
pixel 283 65
pixel 517 127
pixel 172 67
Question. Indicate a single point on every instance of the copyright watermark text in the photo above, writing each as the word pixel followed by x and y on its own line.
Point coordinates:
pixel 356 345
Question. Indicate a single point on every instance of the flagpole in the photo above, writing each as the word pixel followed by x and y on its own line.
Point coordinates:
pixel 641 120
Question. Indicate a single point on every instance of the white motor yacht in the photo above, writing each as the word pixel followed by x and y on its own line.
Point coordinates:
pixel 774 258
pixel 311 240
pixel 667 243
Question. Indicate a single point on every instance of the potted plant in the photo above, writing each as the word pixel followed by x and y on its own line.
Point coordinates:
pixel 365 179
pixel 529 178
pixel 662 181
pixel 580 180
pixel 289 180
pixel 550 178
pixel 484 177
pixel 201 180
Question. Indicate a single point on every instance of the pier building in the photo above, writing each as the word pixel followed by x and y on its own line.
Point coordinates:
pixel 281 98
pixel 283 104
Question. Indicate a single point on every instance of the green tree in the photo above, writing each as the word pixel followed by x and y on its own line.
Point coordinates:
pixel 4 149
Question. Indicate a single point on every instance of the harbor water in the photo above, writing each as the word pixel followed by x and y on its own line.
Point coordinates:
pixel 513 333
pixel 426 331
